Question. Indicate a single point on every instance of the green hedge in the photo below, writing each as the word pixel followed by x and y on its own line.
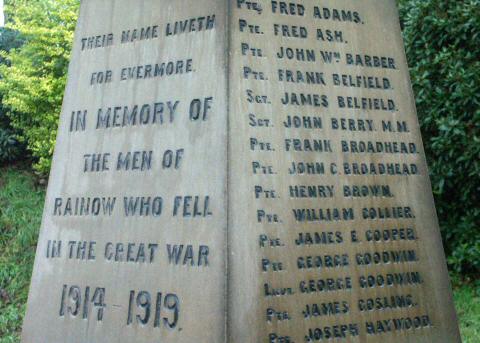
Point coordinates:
pixel 34 77
pixel 442 40
pixel 10 147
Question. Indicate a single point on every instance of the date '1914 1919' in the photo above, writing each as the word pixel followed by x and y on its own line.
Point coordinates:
pixel 142 308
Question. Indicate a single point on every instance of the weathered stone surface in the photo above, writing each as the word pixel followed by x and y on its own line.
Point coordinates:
pixel 239 171
pixel 315 238
pixel 174 147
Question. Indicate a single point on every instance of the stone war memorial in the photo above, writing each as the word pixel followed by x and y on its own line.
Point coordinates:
pixel 243 172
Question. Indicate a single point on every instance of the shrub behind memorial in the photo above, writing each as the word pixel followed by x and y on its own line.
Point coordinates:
pixel 33 81
pixel 10 147
pixel 443 50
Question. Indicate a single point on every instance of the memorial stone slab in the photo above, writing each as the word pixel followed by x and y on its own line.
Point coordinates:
pixel 243 172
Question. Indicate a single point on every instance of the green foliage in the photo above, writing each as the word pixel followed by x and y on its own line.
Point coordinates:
pixel 443 49
pixel 33 82
pixel 467 302
pixel 9 39
pixel 21 207
pixel 10 147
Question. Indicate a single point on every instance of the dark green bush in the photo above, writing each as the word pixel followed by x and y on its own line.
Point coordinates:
pixel 10 148
pixel 442 40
